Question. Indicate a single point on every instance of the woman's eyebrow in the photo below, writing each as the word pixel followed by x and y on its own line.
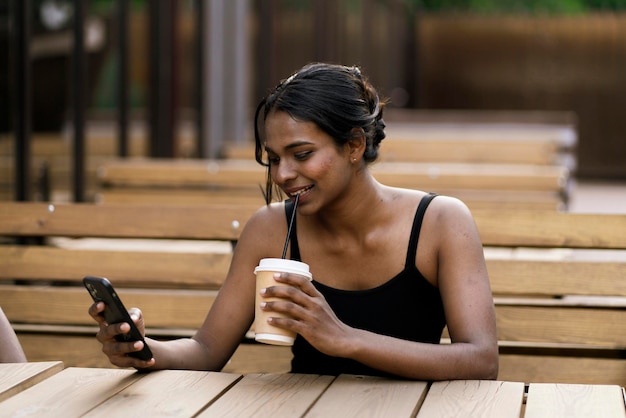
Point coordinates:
pixel 290 146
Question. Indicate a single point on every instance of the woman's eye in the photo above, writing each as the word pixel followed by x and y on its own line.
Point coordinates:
pixel 302 155
pixel 273 160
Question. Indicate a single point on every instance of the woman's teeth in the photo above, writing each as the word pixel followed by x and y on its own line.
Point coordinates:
pixel 301 191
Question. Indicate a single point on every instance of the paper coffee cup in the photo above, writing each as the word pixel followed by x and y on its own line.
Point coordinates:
pixel 265 271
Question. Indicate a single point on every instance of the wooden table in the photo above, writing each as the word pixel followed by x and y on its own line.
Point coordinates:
pixel 45 389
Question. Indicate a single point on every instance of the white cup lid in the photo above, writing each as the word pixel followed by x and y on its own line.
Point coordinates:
pixel 286 265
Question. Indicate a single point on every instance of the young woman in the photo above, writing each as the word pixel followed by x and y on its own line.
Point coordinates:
pixel 391 267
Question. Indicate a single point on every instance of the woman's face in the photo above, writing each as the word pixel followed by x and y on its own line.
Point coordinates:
pixel 305 160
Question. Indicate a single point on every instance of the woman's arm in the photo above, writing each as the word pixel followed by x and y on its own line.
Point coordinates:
pixel 10 349
pixel 229 318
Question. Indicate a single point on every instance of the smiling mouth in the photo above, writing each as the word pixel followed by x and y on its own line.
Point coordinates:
pixel 300 192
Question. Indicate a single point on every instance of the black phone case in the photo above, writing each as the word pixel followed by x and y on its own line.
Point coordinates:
pixel 101 289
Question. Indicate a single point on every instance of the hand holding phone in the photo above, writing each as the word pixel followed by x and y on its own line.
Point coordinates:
pixel 101 290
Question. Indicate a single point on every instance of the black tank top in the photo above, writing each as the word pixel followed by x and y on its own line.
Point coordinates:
pixel 407 306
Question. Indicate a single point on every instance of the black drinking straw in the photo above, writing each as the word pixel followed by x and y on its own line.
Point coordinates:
pixel 293 216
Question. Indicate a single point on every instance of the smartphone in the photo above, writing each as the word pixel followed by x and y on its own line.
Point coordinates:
pixel 101 290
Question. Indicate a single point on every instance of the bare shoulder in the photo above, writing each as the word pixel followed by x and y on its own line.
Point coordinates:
pixel 450 218
pixel 266 230
pixel 448 208
pixel 267 219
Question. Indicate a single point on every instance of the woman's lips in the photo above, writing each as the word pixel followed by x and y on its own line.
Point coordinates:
pixel 299 191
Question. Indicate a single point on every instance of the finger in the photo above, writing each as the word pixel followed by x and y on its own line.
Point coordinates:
pixel 114 348
pixel 289 293
pixel 95 311
pixel 298 281
pixel 283 307
pixel 127 361
pixel 108 332
pixel 137 316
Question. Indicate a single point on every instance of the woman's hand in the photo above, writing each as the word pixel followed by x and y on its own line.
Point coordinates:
pixel 308 313
pixel 117 351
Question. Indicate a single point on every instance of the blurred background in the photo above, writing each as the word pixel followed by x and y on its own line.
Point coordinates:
pixel 181 78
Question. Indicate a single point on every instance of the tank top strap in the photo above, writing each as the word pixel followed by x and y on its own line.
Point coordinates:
pixel 415 230
pixel 295 249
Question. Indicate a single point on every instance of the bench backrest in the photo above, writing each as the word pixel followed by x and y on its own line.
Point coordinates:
pixel 203 181
pixel 557 278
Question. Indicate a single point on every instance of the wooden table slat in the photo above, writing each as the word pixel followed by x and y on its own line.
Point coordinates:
pixel 16 377
pixel 269 395
pixel 362 396
pixel 69 393
pixel 167 393
pixel 552 400
pixel 475 398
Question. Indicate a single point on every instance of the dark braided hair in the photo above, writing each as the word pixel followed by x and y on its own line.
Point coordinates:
pixel 336 98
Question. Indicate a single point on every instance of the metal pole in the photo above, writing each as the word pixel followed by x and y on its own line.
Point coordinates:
pixel 122 88
pixel 23 100
pixel 214 88
pixel 241 110
pixel 200 79
pixel 162 16
pixel 78 69
pixel 234 68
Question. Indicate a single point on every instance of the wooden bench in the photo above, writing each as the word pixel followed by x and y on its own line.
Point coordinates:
pixel 557 278
pixel 160 181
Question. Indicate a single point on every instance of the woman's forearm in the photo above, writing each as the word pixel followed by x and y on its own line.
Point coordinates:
pixel 182 354
pixel 423 361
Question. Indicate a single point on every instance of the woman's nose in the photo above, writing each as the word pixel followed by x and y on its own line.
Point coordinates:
pixel 283 171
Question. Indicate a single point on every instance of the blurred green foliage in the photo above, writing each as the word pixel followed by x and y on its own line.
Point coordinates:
pixel 483 6
pixel 519 6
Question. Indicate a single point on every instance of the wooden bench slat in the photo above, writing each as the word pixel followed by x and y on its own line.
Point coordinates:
pixel 181 172
pixel 223 221
pixel 436 177
pixel 551 229
pixel 229 173
pixel 474 199
pixel 411 146
pixel 595 327
pixel 519 277
pixel 207 270
pixel 183 197
pixel 125 268
pixel 68 305
pixel 86 351
pixel 207 222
